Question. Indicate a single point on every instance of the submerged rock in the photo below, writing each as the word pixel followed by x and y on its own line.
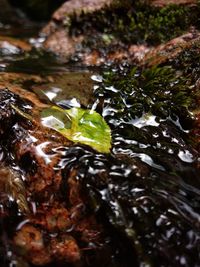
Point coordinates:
pixel 55 200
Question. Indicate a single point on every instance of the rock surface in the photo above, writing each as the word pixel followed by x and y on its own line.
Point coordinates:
pixel 162 3
pixel 171 49
pixel 35 150
pixel 79 6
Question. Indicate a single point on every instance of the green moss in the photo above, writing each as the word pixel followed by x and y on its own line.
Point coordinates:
pixel 169 91
pixel 188 64
pixel 139 24
pixel 151 104
pixel 159 91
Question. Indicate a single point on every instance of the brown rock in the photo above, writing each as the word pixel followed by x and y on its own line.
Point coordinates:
pixel 52 218
pixel 29 242
pixel 61 43
pixel 13 45
pixel 79 6
pixel 171 49
pixel 74 7
pixel 162 3
pixel 69 85
pixel 58 40
pixel 66 45
pixel 132 53
pixel 11 184
pixel 37 151
pixel 24 93
pixel 65 249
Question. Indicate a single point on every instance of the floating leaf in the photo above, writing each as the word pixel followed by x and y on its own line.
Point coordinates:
pixel 78 125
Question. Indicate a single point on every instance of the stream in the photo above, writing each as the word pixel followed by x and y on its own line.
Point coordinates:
pixel 145 193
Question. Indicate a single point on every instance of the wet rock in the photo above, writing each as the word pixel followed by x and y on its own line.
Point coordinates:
pixel 55 200
pixel 53 218
pixel 8 114
pixel 29 242
pixel 12 186
pixel 162 3
pixel 68 88
pixel 65 249
pixel 11 46
pixel 132 54
pixel 80 6
pixel 27 95
pixel 64 88
pixel 195 134
pixel 31 155
pixel 64 44
pixel 60 43
pixel 171 49
pixel 151 206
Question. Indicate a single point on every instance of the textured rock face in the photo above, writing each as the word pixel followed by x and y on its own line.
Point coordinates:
pixel 80 6
pixel 59 40
pixel 60 43
pixel 162 3
pixel 171 49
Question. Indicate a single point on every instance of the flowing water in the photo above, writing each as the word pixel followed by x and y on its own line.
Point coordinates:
pixel 146 192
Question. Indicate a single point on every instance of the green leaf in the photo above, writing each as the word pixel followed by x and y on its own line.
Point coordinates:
pixel 80 126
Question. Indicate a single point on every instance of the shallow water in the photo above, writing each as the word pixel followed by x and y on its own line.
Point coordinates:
pixel 146 192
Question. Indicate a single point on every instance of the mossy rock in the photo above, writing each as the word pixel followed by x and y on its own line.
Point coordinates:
pixel 105 31
pixel 141 23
